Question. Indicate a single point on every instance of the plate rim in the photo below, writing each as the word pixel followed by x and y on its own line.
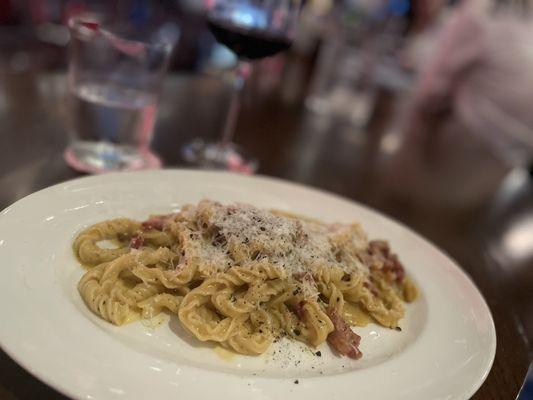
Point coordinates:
pixel 71 392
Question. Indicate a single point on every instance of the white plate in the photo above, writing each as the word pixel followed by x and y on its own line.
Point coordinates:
pixel 444 351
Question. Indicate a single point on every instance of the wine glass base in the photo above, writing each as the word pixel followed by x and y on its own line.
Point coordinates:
pixel 219 156
pixel 101 157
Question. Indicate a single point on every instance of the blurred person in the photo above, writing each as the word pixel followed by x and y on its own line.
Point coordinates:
pixel 471 98
pixel 481 72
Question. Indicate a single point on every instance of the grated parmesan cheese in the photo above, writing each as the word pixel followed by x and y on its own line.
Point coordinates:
pixel 293 244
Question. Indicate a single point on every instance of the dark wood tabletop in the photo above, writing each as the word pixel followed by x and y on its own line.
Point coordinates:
pixel 438 180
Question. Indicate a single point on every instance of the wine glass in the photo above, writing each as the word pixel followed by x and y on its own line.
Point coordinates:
pixel 252 29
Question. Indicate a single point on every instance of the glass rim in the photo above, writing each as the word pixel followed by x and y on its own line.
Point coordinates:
pixel 75 26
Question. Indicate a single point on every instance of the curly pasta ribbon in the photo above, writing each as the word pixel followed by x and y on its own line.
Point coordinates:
pixel 228 291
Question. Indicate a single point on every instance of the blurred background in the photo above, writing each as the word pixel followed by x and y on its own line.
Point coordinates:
pixel 418 108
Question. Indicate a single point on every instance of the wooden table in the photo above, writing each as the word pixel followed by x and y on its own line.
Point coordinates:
pixel 440 182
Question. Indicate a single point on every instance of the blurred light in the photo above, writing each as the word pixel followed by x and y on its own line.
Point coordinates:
pixel 517 241
pixel 168 33
pixel 249 17
pixel 222 58
pixel 390 143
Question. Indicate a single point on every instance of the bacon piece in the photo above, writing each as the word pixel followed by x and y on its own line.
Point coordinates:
pixel 157 222
pixel 381 250
pixel 343 339
pixel 298 309
pixel 154 223
pixel 136 242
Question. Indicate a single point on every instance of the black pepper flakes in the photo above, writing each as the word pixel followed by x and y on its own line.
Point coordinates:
pixel 398 329
pixel 297 332
pixel 318 353
pixel 296 382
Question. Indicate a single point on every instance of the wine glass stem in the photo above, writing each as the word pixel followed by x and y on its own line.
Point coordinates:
pixel 242 72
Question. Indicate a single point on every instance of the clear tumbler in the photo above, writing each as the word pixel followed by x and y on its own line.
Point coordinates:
pixel 114 79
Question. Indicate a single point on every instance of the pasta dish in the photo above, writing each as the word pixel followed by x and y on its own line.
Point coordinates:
pixel 243 276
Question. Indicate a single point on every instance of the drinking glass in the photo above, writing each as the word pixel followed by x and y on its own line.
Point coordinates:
pixel 358 57
pixel 252 29
pixel 114 78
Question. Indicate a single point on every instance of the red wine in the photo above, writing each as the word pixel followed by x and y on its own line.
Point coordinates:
pixel 251 43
